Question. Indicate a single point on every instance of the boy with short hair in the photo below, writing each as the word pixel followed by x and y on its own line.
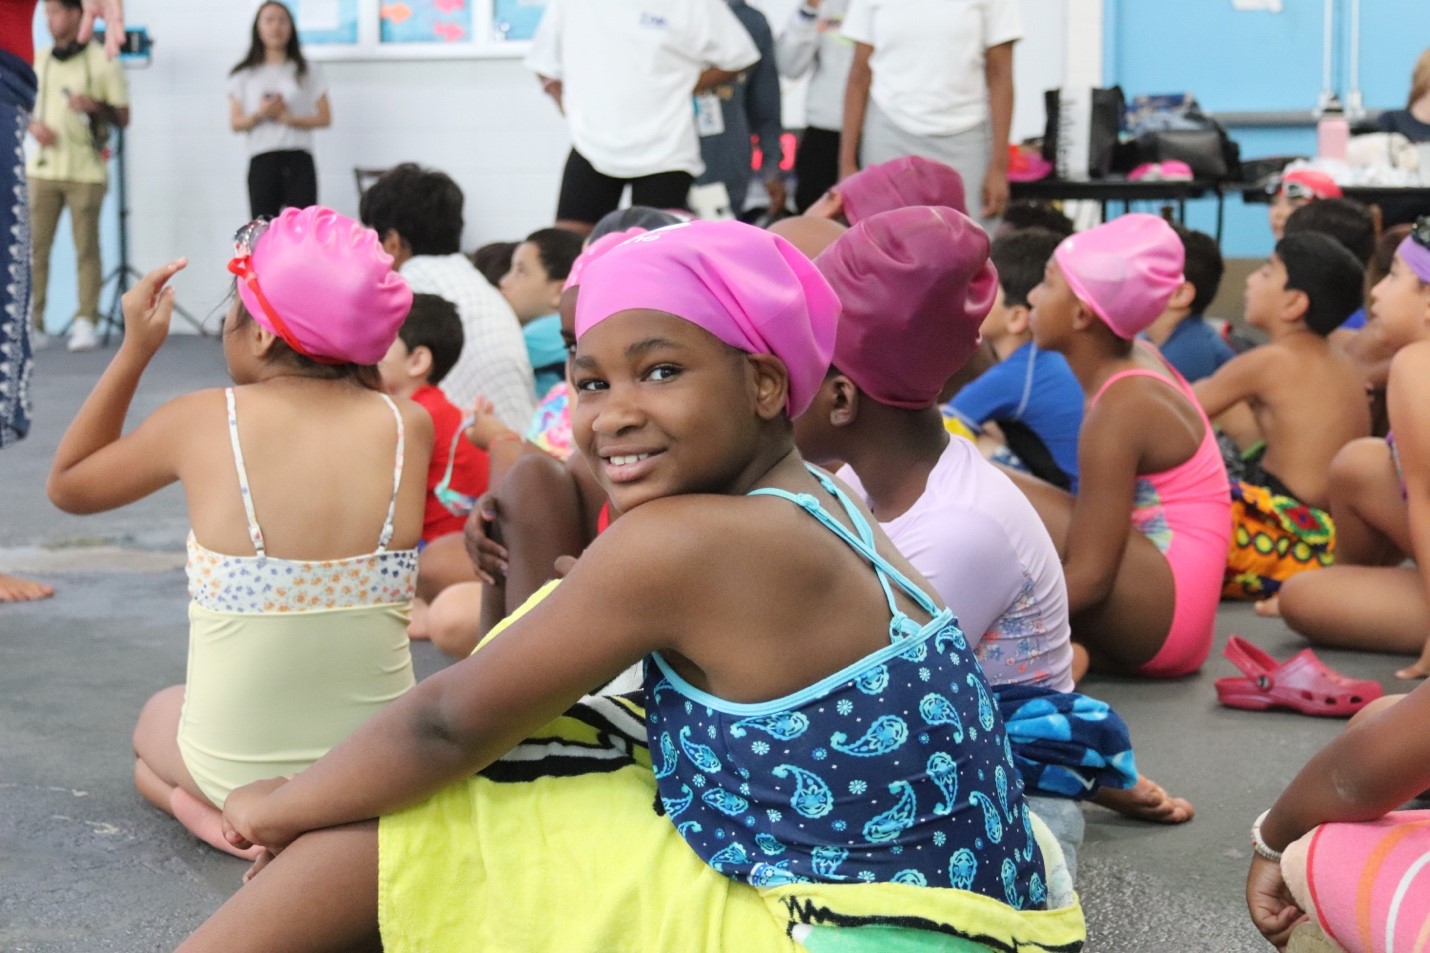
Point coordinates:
pixel 1182 333
pixel 427 346
pixel 1308 400
pixel 1030 400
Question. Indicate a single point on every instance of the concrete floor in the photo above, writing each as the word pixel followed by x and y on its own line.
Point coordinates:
pixel 85 865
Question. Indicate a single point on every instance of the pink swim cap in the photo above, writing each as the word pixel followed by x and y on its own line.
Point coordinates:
pixel 752 290
pixel 1318 183
pixel 915 284
pixel 322 283
pixel 1125 270
pixel 899 183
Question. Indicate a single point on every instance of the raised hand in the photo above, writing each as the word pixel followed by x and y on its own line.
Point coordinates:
pixel 112 13
pixel 148 307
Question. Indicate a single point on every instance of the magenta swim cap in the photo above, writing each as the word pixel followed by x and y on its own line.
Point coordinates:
pixel 752 290
pixel 915 284
pixel 1125 270
pixel 899 183
pixel 322 283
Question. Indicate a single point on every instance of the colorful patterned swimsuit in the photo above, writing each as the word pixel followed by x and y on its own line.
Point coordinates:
pixel 894 769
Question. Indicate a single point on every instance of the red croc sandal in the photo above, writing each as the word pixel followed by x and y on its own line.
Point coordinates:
pixel 1303 683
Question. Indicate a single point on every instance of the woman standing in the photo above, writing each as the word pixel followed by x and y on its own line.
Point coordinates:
pixel 278 98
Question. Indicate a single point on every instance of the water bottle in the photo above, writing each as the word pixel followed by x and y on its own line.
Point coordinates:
pixel 1333 132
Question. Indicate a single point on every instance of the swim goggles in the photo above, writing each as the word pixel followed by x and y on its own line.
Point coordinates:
pixel 1420 231
pixel 245 240
pixel 1292 190
pixel 452 500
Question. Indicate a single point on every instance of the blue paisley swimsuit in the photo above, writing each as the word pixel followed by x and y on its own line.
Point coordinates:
pixel 895 769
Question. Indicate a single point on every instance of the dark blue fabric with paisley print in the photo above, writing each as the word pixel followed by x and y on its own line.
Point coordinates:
pixel 896 768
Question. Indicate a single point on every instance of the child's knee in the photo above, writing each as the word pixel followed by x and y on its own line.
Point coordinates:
pixel 159 712
pixel 454 619
pixel 532 485
pixel 1360 465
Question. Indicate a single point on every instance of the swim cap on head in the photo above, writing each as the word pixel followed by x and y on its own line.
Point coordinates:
pixel 597 248
pixel 1125 270
pixel 322 283
pixel 899 183
pixel 1317 183
pixel 1416 255
pixel 809 234
pixel 915 284
pixel 752 290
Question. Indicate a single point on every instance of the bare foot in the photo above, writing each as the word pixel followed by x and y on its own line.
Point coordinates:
pixel 418 627
pixel 1080 662
pixel 15 589
pixel 1269 608
pixel 1421 669
pixel 205 822
pixel 1146 801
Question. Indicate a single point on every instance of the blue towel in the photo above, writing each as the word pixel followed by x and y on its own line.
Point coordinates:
pixel 1065 744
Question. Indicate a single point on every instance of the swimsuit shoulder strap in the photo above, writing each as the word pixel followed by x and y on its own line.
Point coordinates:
pixel 1134 372
pixel 255 534
pixel 387 524
pixel 863 544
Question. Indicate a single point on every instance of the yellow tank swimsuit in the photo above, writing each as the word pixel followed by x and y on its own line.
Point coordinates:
pixel 287 657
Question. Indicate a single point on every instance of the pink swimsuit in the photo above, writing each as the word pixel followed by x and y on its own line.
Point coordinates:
pixel 1186 513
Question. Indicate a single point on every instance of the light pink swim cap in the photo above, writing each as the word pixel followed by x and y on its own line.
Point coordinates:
pixel 899 183
pixel 915 284
pixel 1125 270
pixel 752 290
pixel 322 283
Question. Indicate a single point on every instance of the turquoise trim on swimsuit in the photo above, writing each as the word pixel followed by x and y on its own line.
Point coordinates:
pixel 904 634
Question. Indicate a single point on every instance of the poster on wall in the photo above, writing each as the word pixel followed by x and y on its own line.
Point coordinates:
pixel 416 29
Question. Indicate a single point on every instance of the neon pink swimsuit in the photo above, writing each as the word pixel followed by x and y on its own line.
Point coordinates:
pixel 1186 513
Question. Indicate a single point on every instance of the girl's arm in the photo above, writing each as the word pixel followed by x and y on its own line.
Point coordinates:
pixel 1408 402
pixel 1370 769
pixel 856 104
pixel 1109 449
pixel 238 120
pixel 322 118
pixel 610 611
pixel 95 468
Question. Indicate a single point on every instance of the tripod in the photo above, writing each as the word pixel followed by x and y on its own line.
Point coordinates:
pixel 113 318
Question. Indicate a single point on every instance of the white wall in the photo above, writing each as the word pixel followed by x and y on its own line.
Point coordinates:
pixel 484 122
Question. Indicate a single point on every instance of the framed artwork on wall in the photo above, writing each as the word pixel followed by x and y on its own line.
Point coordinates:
pixel 416 29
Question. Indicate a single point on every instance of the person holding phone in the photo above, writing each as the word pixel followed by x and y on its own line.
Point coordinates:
pixel 277 98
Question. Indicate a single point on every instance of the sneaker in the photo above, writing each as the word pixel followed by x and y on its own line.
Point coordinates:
pixel 82 336
pixel 39 340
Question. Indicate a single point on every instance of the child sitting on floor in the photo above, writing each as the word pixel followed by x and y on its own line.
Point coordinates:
pixel 532 286
pixel 1144 542
pixel 1308 400
pixel 696 344
pixel 1182 333
pixel 1297 189
pixel 898 183
pixel 915 284
pixel 304 485
pixel 427 345
pixel 1378 494
pixel 1028 403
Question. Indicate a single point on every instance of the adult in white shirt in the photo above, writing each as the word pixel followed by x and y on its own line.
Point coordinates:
pixel 417 213
pixel 623 72
pixel 277 98
pixel 812 45
pixel 933 78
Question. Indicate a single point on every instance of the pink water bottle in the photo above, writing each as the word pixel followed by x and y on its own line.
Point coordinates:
pixel 1333 132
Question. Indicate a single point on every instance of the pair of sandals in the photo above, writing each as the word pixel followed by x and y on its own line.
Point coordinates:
pixel 1303 683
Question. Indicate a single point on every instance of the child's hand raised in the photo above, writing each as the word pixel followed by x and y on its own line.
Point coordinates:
pixel 483 426
pixel 148 307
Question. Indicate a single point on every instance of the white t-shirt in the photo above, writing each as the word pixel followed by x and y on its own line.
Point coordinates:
pixel 628 70
pixel 928 58
pixel 980 543
pixel 249 86
pixel 494 362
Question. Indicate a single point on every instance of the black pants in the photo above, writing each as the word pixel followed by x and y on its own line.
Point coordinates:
pixel 586 194
pixel 277 180
pixel 816 165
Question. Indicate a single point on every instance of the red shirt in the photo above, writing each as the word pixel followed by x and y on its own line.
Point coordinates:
pixel 17 28
pixel 469 474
